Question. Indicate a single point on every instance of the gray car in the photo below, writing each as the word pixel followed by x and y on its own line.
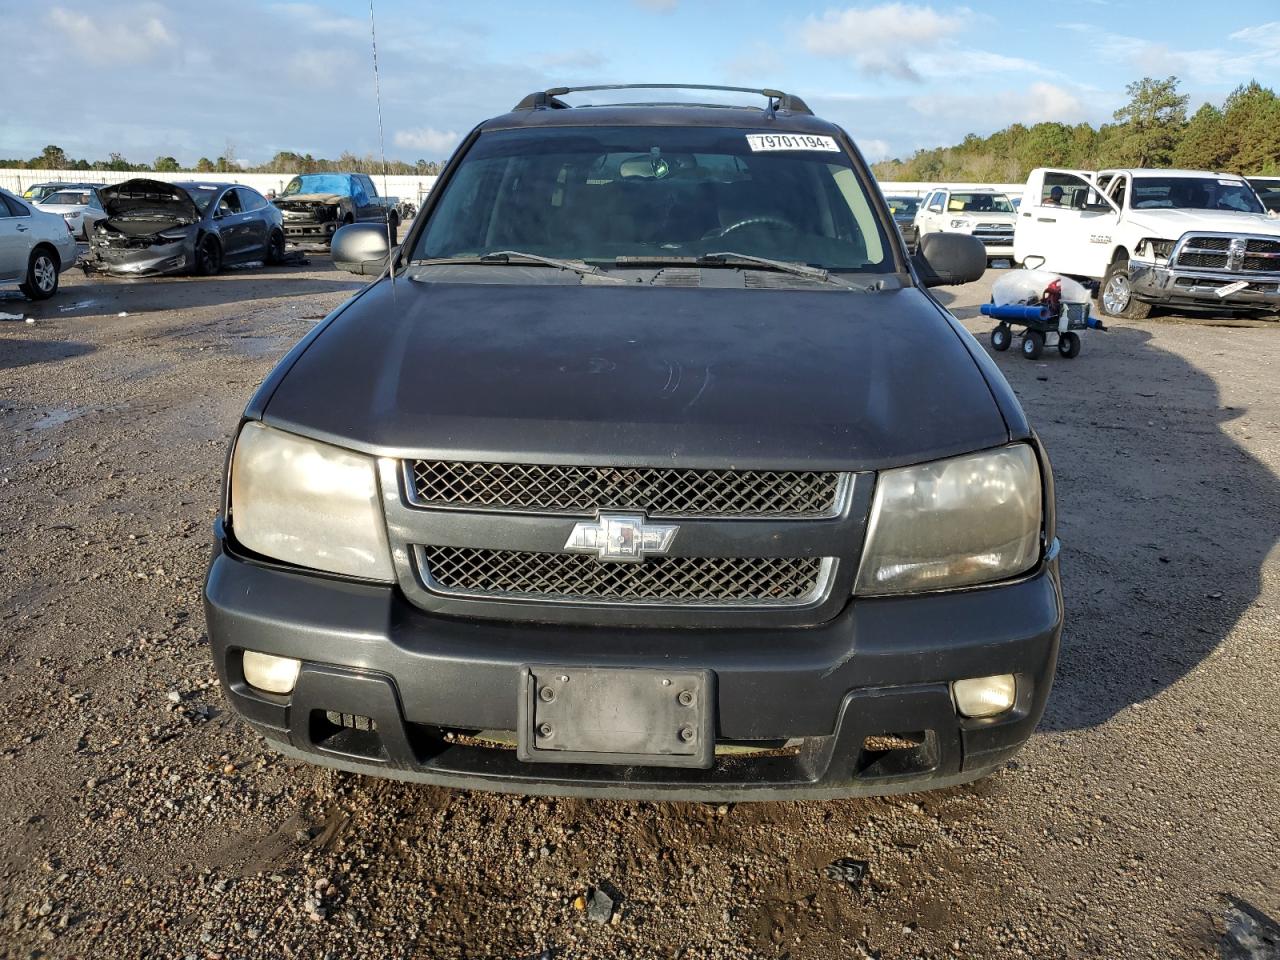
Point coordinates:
pixel 35 247
pixel 153 228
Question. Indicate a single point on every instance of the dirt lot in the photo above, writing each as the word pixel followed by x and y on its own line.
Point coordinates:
pixel 139 819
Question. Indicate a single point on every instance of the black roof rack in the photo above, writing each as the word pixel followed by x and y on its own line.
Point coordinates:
pixel 775 99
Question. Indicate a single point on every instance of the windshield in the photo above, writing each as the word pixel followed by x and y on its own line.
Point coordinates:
pixel 1268 193
pixel 979 203
pixel 598 193
pixel 202 196
pixel 70 197
pixel 327 183
pixel 1194 193
pixel 904 206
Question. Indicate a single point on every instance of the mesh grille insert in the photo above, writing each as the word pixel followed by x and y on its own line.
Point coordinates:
pixel 762 581
pixel 659 491
pixel 1215 261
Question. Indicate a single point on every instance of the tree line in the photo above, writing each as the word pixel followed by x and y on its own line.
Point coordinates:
pixel 54 157
pixel 1151 130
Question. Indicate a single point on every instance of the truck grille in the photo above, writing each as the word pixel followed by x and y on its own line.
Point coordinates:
pixel 724 581
pixel 1236 254
pixel 994 234
pixel 659 491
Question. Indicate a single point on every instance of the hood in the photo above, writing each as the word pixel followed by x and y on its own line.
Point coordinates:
pixel 310 198
pixel 142 206
pixel 1170 224
pixel 639 375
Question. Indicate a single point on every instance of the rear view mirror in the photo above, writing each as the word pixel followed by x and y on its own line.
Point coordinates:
pixel 947 259
pixel 361 248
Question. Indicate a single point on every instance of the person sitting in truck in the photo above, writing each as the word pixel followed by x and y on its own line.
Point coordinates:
pixel 1054 199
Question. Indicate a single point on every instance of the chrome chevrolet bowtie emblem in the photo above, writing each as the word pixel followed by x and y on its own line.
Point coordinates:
pixel 621 537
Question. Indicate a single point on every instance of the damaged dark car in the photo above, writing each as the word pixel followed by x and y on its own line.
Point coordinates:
pixel 315 205
pixel 154 228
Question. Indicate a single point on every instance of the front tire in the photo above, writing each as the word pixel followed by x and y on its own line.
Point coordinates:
pixel 1033 344
pixel 42 275
pixel 1001 337
pixel 208 256
pixel 1069 345
pixel 275 248
pixel 1115 297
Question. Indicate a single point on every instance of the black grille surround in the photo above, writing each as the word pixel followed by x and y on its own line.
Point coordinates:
pixel 522 574
pixel 659 491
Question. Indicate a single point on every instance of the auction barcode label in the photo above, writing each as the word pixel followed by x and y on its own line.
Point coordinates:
pixel 790 141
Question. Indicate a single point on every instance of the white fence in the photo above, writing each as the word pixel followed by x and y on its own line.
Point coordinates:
pixel 405 187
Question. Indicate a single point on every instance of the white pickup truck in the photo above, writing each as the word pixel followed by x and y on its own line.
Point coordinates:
pixel 1186 238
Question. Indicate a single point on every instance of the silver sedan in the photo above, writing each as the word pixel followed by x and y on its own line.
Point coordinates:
pixel 35 247
pixel 79 206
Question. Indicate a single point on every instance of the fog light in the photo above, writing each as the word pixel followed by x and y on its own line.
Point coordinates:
pixel 272 674
pixel 984 696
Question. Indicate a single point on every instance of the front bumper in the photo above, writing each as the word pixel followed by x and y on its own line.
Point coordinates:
pixel 151 261
pixel 309 231
pixel 430 683
pixel 1161 284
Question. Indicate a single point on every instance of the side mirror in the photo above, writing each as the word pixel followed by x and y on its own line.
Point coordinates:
pixel 947 259
pixel 361 248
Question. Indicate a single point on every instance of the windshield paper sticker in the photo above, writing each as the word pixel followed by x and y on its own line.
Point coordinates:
pixel 761 142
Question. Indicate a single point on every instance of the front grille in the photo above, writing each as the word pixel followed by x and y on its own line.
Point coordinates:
pixel 1236 254
pixel 659 491
pixel 724 581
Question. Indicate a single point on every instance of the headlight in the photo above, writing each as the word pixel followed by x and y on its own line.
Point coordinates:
pixel 953 523
pixel 1156 249
pixel 308 503
pixel 959 224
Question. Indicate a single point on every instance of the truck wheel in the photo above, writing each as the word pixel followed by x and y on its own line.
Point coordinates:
pixel 1001 337
pixel 1116 298
pixel 1069 345
pixel 42 275
pixel 1032 344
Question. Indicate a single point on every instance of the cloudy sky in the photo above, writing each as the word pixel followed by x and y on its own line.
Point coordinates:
pixel 187 79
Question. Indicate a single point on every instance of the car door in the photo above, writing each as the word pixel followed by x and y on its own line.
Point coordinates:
pixel 362 192
pixel 231 225
pixel 931 212
pixel 15 239
pixel 1068 222
pixel 253 207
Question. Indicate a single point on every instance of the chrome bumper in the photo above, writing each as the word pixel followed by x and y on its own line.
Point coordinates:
pixel 1165 285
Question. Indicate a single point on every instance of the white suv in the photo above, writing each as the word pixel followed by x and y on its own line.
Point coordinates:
pixel 984 214
pixel 35 247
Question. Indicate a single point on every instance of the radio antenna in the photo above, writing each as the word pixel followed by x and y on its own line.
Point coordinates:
pixel 382 147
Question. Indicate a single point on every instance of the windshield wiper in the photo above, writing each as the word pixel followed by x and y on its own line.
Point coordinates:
pixel 730 259
pixel 503 257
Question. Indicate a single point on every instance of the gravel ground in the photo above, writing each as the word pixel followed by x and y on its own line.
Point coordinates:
pixel 139 819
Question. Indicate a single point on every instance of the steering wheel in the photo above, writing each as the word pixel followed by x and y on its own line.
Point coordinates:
pixel 761 221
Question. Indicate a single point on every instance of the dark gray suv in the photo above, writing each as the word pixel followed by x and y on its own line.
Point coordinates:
pixel 647 466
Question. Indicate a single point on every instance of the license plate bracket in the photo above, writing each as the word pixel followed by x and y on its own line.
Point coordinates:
pixel 620 716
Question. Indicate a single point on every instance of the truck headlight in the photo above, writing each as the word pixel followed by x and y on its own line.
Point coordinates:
pixel 308 503
pixel 959 224
pixel 953 523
